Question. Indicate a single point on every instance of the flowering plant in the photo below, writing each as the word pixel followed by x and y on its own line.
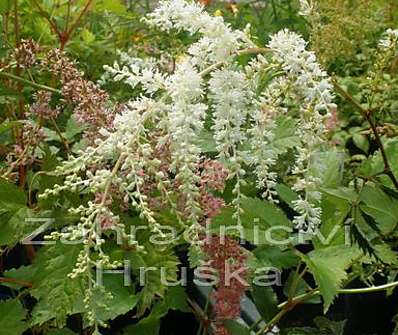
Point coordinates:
pixel 222 163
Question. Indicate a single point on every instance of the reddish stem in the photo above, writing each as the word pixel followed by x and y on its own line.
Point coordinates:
pixel 66 35
pixel 368 117
pixel 15 281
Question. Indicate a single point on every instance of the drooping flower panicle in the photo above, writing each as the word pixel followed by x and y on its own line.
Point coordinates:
pixel 156 139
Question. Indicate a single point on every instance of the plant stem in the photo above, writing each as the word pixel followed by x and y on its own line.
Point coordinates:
pixel 286 306
pixel 61 137
pixel 298 276
pixel 367 115
pixel 302 297
pixel 255 324
pixel 15 281
pixel 274 320
pixel 253 51
pixel 274 10
pixel 68 32
pixel 52 23
pixel 248 51
pixel 68 15
pixel 28 82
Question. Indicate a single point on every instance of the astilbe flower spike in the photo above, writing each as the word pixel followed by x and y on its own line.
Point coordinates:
pixel 223 255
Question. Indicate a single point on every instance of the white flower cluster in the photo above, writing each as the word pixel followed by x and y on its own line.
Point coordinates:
pixel 185 121
pixel 309 217
pixel 238 117
pixel 136 71
pixel 229 91
pixel 306 7
pixel 311 82
pixel 156 138
pixel 218 40
pixel 390 39
pixel 313 85
pixel 263 156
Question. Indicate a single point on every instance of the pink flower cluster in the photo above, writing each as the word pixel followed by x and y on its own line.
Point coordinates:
pixel 210 204
pixel 41 107
pixel 25 53
pixel 332 122
pixel 25 154
pixel 229 292
pixel 213 175
pixel 92 104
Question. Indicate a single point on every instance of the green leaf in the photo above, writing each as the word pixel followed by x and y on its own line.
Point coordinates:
pixel 363 234
pixel 266 301
pixel 73 128
pixel 123 298
pixel 15 227
pixel 257 218
pixel 382 207
pixel 265 211
pixel 54 290
pixel 87 36
pixel 302 331
pixel 23 273
pixel 361 142
pixel 342 194
pixel 8 125
pixel 5 6
pixel 336 327
pixel 236 328
pixel 206 142
pixel 328 266
pixel 175 298
pixel 377 165
pixel 285 136
pixel 195 256
pixel 51 135
pixel 270 255
pixel 332 231
pixel 113 6
pixel 328 167
pixel 370 221
pixel 11 194
pixel 395 319
pixel 157 259
pixel 384 253
pixel 300 287
pixel 12 318
pixel 144 327
pixel 286 194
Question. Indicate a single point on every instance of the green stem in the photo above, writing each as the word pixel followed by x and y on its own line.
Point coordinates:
pixel 28 82
pixel 274 320
pixel 248 51
pixel 372 289
pixel 61 137
pixel 286 306
pixel 274 10
pixel 255 324
pixel 297 277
